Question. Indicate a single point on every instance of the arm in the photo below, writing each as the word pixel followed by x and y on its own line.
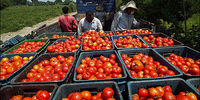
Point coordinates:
pixel 136 23
pixel 59 22
pixel 115 21
pixel 80 27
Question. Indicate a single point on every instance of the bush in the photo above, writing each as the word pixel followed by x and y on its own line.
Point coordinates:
pixel 4 3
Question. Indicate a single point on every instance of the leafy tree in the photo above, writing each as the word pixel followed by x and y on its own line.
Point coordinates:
pixel 4 4
pixel 58 1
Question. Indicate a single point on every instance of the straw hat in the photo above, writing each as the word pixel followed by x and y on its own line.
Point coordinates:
pixel 130 4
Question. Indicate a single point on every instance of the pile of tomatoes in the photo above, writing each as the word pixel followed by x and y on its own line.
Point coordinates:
pixel 50 70
pixel 57 36
pixel 28 47
pixel 106 94
pixel 9 66
pixel 94 33
pixel 40 95
pixel 69 45
pixel 129 42
pixel 158 41
pixel 134 31
pixel 162 93
pixel 96 43
pixel 187 65
pixel 143 66
pixel 93 69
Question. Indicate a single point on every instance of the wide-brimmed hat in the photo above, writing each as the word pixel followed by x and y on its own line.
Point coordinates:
pixel 130 4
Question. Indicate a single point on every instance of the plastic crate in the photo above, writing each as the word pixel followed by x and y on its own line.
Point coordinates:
pixel 97 54
pixel 95 87
pixel 9 91
pixel 100 49
pixel 135 29
pixel 176 42
pixel 32 40
pixel 42 57
pixel 156 57
pixel 50 34
pixel 194 83
pixel 133 36
pixel 183 51
pixel 19 38
pixel 177 85
pixel 8 79
pixel 13 41
pixel 63 40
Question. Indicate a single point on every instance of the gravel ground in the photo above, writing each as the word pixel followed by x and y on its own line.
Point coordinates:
pixel 27 30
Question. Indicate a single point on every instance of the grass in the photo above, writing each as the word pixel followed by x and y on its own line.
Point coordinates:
pixel 16 17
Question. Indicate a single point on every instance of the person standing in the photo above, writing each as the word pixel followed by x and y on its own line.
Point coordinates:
pixel 67 23
pixel 124 18
pixel 89 23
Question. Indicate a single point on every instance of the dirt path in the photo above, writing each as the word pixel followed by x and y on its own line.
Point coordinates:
pixel 27 30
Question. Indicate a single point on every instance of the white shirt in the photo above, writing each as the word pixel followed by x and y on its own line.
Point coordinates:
pixel 84 25
pixel 123 21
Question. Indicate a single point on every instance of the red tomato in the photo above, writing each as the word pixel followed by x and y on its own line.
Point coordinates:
pixel 86 95
pixel 43 95
pixel 167 88
pixel 168 96
pixel 107 93
pixel 143 92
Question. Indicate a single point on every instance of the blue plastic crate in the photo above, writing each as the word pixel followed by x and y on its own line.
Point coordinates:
pixel 6 43
pixel 7 92
pixel 42 57
pixel 177 85
pixel 194 83
pixel 13 41
pixel 97 54
pixel 133 36
pixel 19 38
pixel 94 87
pixel 176 42
pixel 183 51
pixel 8 79
pixel 100 49
pixel 156 57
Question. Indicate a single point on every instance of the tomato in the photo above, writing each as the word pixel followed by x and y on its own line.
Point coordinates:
pixel 143 92
pixel 112 56
pixel 86 95
pixel 107 93
pixel 167 88
pixel 153 92
pixel 182 97
pixel 137 66
pixel 27 98
pixel 43 95
pixel 169 96
pixel 191 96
pixel 17 97
pixel 76 96
pixel 135 97
pixel 161 91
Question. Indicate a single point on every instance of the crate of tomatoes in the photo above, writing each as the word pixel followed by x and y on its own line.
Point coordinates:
pixel 128 42
pixel 88 91
pixel 12 64
pixel 53 68
pixel 184 58
pixel 64 45
pixel 160 40
pixel 96 43
pixel 28 46
pixel 96 34
pixel 146 64
pixel 166 89
pixel 100 66
pixel 195 84
pixel 134 31
pixel 28 92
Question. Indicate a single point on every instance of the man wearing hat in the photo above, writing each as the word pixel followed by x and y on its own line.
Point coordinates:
pixel 124 19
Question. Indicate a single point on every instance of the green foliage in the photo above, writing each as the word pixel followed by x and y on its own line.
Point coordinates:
pixel 4 4
pixel 58 1
pixel 19 2
pixel 16 17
